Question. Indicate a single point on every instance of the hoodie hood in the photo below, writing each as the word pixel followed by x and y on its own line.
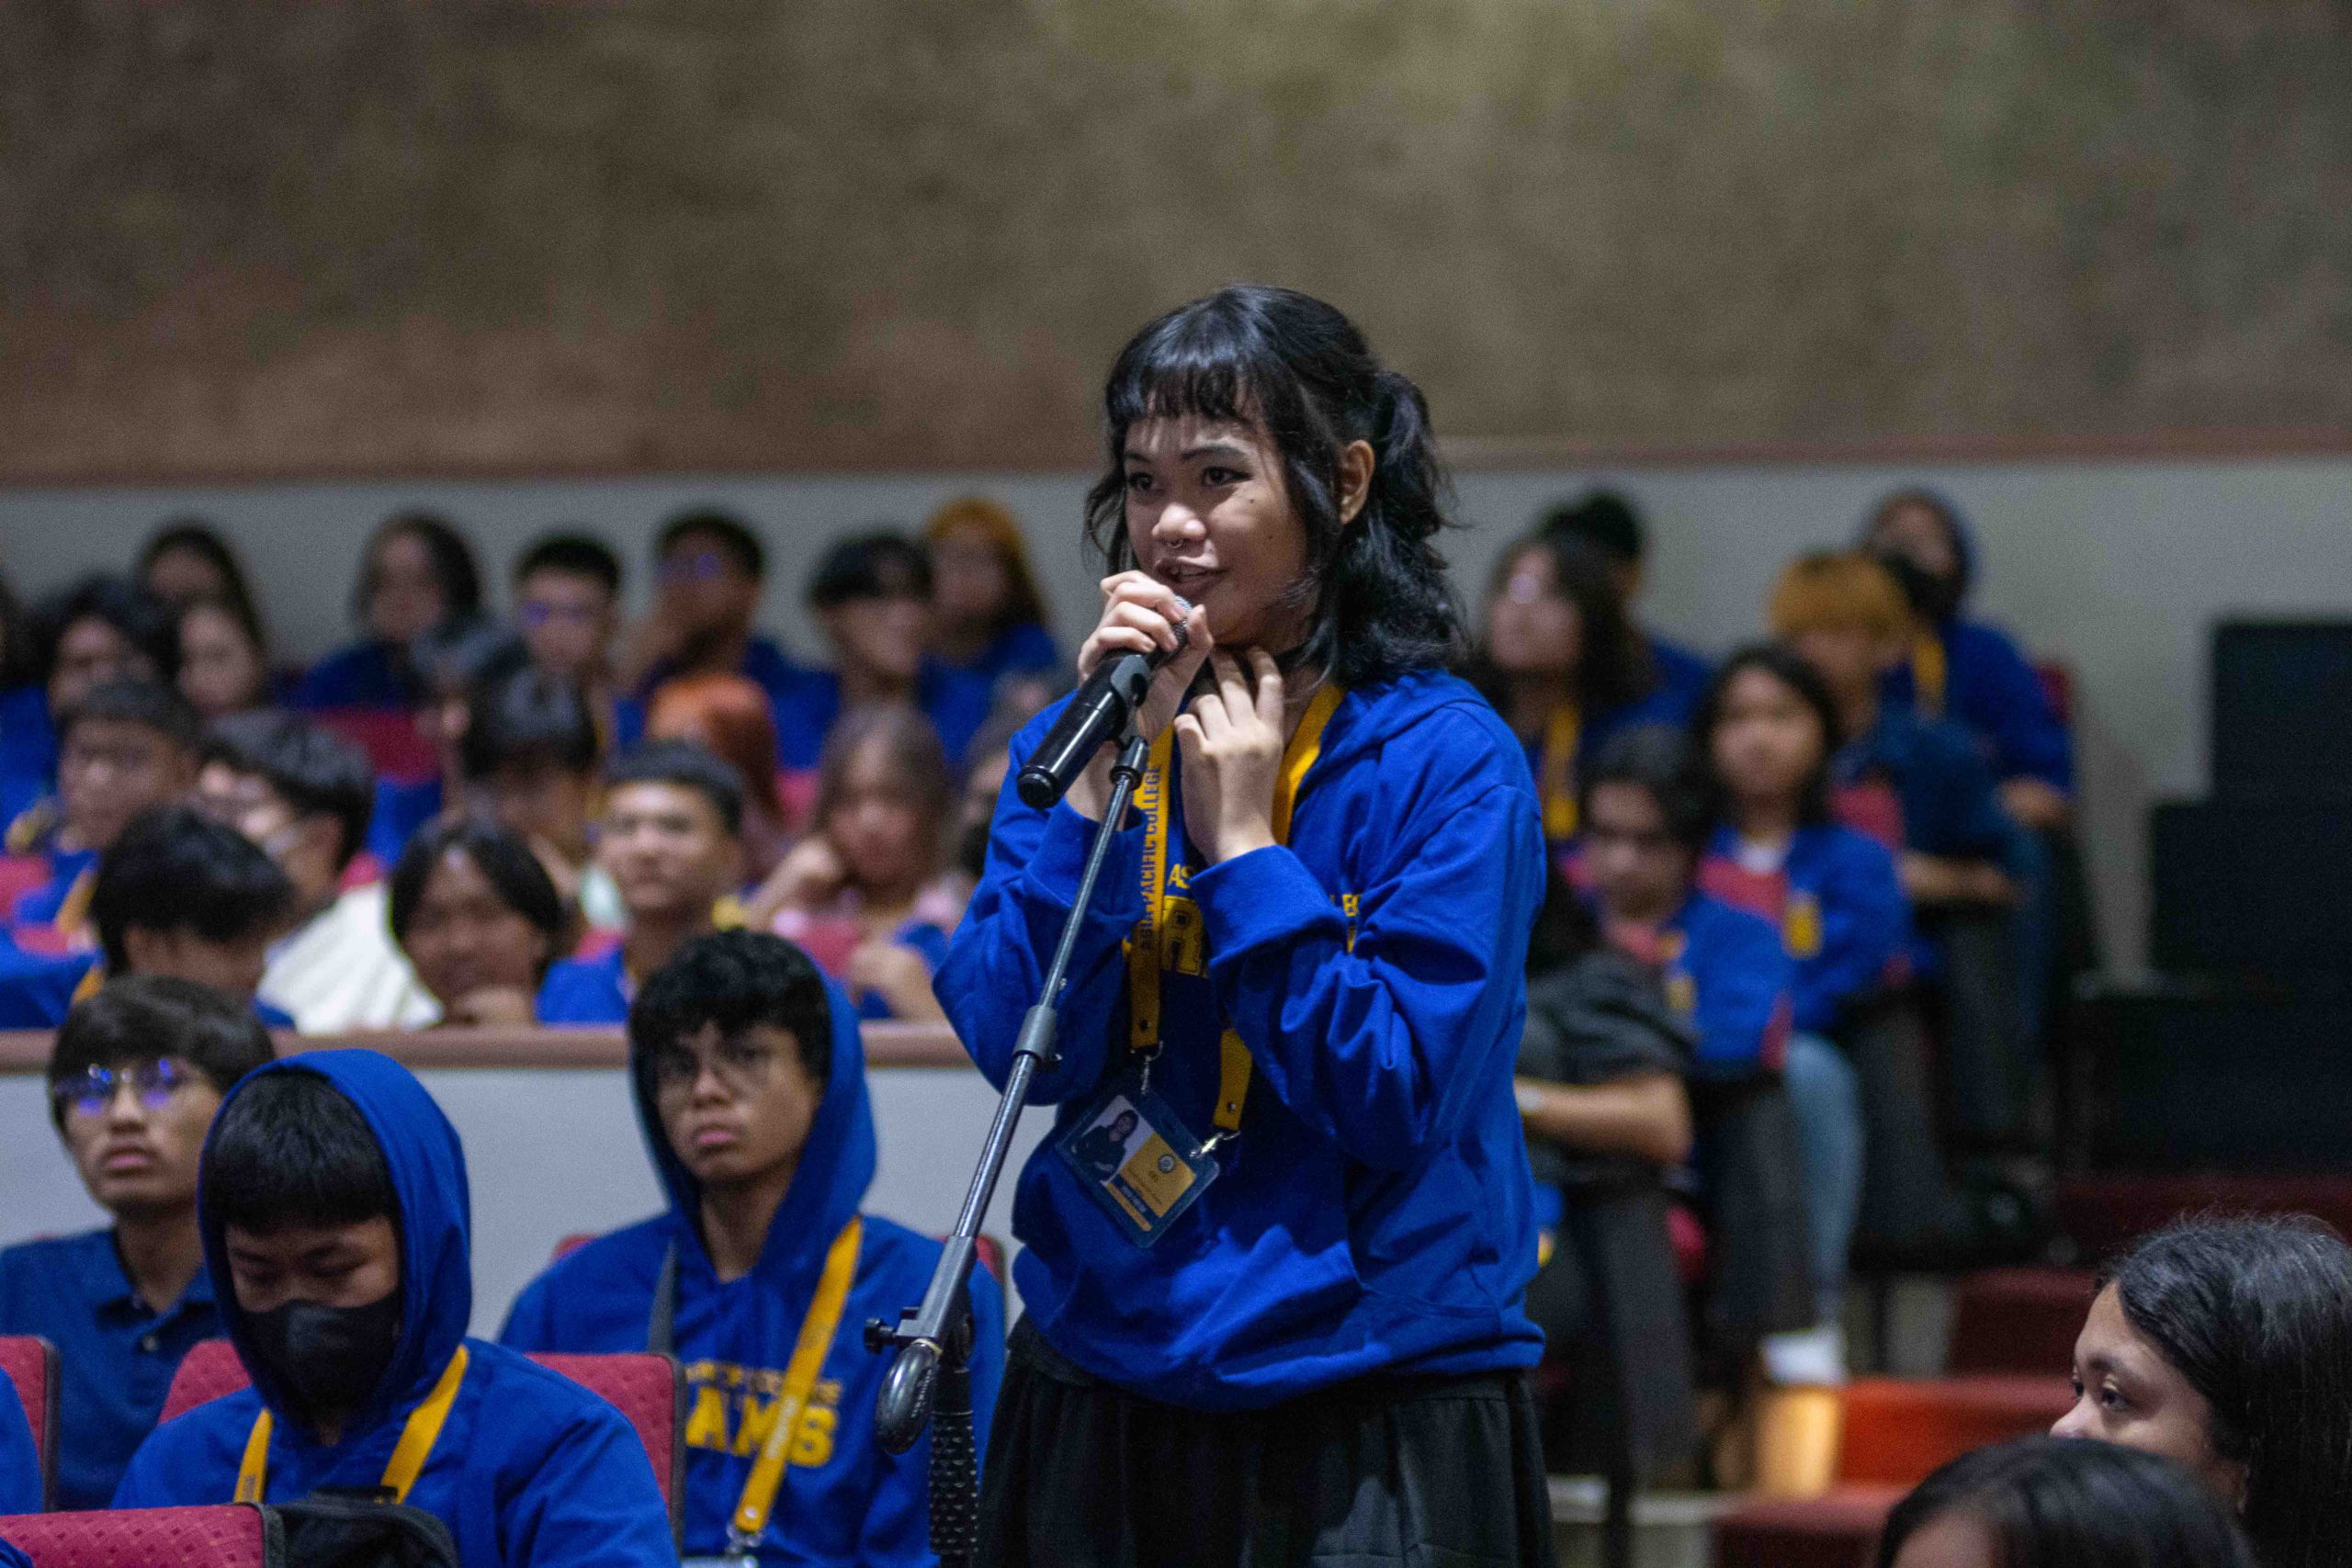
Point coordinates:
pixel 428 1172
pixel 1944 598
pixel 836 1164
pixel 1369 717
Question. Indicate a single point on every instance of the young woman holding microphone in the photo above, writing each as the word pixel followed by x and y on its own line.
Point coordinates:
pixel 1287 1327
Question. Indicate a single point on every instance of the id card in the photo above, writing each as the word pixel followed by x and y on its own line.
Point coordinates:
pixel 1138 1160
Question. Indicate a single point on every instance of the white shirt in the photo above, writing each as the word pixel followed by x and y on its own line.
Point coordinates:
pixel 341 972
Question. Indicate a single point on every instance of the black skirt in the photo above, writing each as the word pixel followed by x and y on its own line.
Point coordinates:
pixel 1415 1472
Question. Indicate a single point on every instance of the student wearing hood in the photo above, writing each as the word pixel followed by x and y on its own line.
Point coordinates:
pixel 335 1218
pixel 751 1086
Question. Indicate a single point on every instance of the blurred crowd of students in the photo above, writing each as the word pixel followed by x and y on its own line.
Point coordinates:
pixel 1789 985
pixel 460 818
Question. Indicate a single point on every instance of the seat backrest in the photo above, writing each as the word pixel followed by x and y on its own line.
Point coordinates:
pixel 643 1387
pixel 649 1391
pixel 230 1536
pixel 210 1370
pixel 30 1363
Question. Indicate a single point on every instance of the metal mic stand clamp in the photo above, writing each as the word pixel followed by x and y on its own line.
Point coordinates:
pixel 930 1373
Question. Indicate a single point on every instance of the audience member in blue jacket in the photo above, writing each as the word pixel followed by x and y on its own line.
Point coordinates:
pixel 27 752
pixel 36 988
pixel 1561 663
pixel 750 1080
pixel 1606 520
pixel 1296 1003
pixel 1965 670
pixel 128 746
pixel 20 1474
pixel 334 1213
pixel 1763 739
pixel 673 843
pixel 709 571
pixel 134 1079
pixel 418 573
pixel 989 617
pixel 567 591
pixel 1728 971
pixel 872 593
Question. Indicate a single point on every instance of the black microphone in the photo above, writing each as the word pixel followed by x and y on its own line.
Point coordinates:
pixel 1097 716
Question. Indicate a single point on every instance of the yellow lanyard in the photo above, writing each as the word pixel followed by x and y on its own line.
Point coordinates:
pixel 1169 928
pixel 816 1332
pixel 409 1454
pixel 1559 766
pixel 1929 673
pixel 74 910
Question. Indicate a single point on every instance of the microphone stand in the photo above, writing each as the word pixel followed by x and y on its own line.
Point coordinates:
pixel 932 1370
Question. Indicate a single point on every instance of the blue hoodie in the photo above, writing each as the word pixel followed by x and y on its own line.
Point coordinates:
pixel 844 1500
pixel 1375 1216
pixel 531 1468
pixel 1841 909
pixel 1726 973
pixel 1990 687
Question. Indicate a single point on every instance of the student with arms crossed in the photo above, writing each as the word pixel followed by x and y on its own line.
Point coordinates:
pixel 334 1211
pixel 672 845
pixel 751 1086
pixel 1301 1318
pixel 134 1079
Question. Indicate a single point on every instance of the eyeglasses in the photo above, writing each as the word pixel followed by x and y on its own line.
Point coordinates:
pixel 696 566
pixel 91 1091
pixel 536 613
pixel 740 1064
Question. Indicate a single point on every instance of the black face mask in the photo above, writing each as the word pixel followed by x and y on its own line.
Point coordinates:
pixel 1937 598
pixel 329 1359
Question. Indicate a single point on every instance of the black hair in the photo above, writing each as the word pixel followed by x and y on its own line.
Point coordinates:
pixel 2071 1502
pixel 725 530
pixel 145 1018
pixel 574 555
pixel 453 563
pixel 1566 927
pixel 2256 1314
pixel 1785 666
pixel 1614 667
pixel 138 617
pixel 1603 519
pixel 175 869
pixel 145 703
pixel 199 536
pixel 1299 369
pixel 1947 516
pixel 880 564
pixel 313 772
pixel 736 979
pixel 292 1149
pixel 687 765
pixel 504 861
pixel 527 717
pixel 1656 757
pixel 463 652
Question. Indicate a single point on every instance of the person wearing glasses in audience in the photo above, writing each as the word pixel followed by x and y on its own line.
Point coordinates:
pixel 709 571
pixel 751 1088
pixel 568 607
pixel 134 1077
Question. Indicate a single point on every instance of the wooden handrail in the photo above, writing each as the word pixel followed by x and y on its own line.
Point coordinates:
pixel 932 1045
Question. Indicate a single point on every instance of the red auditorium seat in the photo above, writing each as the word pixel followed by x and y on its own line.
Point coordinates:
pixel 210 1370
pixel 1897 1431
pixel 1837 1532
pixel 649 1390
pixel 644 1388
pixel 231 1535
pixel 30 1363
pixel 2106 1212
pixel 2017 1320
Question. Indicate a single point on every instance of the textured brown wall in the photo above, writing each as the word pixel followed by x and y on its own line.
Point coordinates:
pixel 238 237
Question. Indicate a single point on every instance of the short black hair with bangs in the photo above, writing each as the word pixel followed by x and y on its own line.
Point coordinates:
pixel 1301 371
